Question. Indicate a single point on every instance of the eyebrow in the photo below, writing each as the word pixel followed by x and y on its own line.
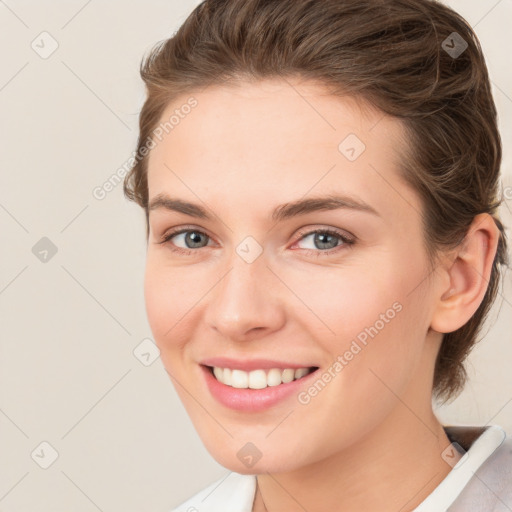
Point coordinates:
pixel 280 213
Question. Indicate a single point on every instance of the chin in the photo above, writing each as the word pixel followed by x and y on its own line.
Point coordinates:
pixel 265 464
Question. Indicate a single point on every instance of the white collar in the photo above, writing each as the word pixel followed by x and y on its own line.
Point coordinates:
pixel 449 489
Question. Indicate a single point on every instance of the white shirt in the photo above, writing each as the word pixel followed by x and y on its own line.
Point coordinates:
pixel 481 481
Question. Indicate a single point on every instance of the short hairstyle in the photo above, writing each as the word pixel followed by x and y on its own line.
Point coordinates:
pixel 401 56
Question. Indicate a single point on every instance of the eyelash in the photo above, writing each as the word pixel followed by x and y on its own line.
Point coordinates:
pixel 347 242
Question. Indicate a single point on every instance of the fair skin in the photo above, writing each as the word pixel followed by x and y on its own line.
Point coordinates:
pixel 369 440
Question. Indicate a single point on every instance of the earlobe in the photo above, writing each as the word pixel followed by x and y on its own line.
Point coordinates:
pixel 467 276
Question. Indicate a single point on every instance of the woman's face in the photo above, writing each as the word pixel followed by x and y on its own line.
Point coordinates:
pixel 251 282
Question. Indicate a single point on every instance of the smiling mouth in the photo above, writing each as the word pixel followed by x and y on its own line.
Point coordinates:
pixel 258 379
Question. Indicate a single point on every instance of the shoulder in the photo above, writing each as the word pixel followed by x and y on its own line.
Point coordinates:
pixel 233 492
pixel 490 490
pixel 499 469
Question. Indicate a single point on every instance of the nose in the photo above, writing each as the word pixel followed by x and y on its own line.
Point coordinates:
pixel 246 303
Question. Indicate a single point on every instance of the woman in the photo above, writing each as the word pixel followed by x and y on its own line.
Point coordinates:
pixel 321 185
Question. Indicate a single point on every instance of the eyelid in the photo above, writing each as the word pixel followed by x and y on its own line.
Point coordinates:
pixel 168 233
pixel 347 239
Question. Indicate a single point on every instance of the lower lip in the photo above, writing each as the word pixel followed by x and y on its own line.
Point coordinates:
pixel 252 400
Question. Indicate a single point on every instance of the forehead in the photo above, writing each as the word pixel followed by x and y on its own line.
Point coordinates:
pixel 276 139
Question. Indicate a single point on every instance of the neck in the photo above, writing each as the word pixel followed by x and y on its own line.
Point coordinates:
pixel 395 467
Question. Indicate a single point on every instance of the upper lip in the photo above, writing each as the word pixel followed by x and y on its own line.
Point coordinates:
pixel 251 364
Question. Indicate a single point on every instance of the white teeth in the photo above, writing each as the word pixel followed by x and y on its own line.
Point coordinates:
pixel 288 375
pixel 274 377
pixel 300 372
pixel 218 372
pixel 239 379
pixel 226 375
pixel 258 379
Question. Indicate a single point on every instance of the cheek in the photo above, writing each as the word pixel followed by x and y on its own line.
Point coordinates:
pixel 367 314
pixel 167 298
pixel 340 302
pixel 156 297
pixel 363 378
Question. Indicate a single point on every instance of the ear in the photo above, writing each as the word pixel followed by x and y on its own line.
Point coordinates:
pixel 465 277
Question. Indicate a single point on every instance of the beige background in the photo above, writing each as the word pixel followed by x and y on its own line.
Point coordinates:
pixel 69 326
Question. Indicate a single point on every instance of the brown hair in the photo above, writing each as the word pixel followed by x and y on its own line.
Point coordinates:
pixel 400 56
